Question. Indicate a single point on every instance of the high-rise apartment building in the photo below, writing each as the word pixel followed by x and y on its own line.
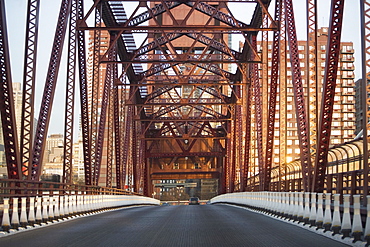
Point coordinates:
pixel 343 121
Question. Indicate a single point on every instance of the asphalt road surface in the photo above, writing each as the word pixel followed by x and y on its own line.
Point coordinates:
pixel 193 225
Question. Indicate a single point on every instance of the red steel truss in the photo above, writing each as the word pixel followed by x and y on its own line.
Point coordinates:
pixel 7 104
pixel 70 93
pixel 302 121
pixel 185 104
pixel 29 83
pixel 272 100
pixel 34 170
pixel 332 58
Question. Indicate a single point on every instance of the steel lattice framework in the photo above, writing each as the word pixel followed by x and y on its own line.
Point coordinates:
pixel 180 102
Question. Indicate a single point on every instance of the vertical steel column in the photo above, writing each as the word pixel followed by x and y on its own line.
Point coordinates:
pixel 265 77
pixel 247 153
pixel 229 153
pixel 134 146
pixel 117 135
pixel 29 74
pixel 109 134
pixel 70 93
pixel 123 124
pixel 147 190
pixel 7 104
pixel 141 157
pixel 331 68
pixel 272 100
pixel 282 96
pixel 239 138
pixel 259 119
pixel 302 123
pixel 233 150
pixel 94 104
pixel 113 122
pixel 312 75
pixel 365 100
pixel 48 95
pixel 108 84
pixel 84 103
pixel 126 142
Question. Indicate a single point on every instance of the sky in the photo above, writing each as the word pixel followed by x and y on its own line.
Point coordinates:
pixel 49 10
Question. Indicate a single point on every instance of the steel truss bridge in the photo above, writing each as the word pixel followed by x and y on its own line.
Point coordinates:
pixel 181 102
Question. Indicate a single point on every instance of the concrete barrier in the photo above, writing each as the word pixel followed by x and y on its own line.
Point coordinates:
pixel 54 207
pixel 315 209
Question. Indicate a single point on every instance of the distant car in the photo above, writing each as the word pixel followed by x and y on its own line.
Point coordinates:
pixel 165 204
pixel 194 201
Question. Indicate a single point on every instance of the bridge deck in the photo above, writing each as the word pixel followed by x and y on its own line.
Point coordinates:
pixel 204 225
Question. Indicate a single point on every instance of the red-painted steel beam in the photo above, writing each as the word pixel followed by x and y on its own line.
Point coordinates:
pixel 117 136
pixel 134 146
pixel 29 77
pixel 108 84
pixel 84 104
pixel 94 104
pixel 142 158
pixel 272 101
pixel 258 114
pixel 331 68
pixel 146 189
pixel 7 103
pixel 228 164
pixel 249 90
pixel 48 95
pixel 300 107
pixel 126 142
pixel 202 154
pixel 109 135
pixel 70 91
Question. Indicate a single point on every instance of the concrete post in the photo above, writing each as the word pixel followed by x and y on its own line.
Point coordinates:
pixel 56 207
pixel 15 216
pixel 320 212
pixel 23 219
pixel 346 220
pixel 295 206
pixel 327 216
pixel 313 212
pixel 38 210
pixel 31 213
pixel 306 216
pixel 367 227
pixel 336 224
pixel 45 205
pixel 357 224
pixel 51 209
pixel 6 219
pixel 300 207
pixel 61 207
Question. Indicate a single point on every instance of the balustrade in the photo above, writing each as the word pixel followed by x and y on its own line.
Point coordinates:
pixel 28 204
pixel 327 213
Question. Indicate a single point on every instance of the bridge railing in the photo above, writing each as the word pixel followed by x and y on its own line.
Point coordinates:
pixel 27 203
pixel 340 214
